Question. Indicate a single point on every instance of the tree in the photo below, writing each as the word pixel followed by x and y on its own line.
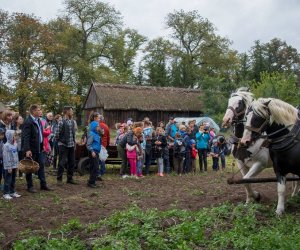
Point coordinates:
pixel 24 57
pixel 96 21
pixel 157 55
pixel 3 31
pixel 274 56
pixel 123 50
pixel 278 85
pixel 61 49
pixel 200 50
pixel 281 57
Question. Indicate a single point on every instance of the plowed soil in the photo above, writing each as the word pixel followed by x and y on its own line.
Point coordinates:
pixel 44 210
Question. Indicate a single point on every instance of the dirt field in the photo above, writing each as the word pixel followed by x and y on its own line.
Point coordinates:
pixel 48 210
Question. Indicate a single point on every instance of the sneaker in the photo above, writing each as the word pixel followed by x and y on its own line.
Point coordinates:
pixel 7 197
pixel 15 195
pixel 71 181
pixel 99 178
pixel 124 176
pixel 31 190
pixel 161 175
pixel 92 185
pixel 59 183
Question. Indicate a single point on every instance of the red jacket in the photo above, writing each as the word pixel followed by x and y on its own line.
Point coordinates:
pixel 105 139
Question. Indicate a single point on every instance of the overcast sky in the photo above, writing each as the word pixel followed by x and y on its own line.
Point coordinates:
pixel 242 21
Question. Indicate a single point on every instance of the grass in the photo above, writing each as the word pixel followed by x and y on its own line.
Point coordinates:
pixel 223 227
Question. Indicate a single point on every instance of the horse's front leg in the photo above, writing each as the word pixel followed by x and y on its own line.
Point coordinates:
pixel 255 169
pixel 281 188
pixel 244 169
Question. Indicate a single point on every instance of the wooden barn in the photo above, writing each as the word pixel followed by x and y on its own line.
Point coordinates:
pixel 119 102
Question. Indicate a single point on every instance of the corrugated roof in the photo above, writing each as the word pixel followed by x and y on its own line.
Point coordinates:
pixel 144 98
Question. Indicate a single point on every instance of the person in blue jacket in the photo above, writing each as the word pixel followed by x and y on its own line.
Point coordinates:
pixel 202 140
pixel 93 145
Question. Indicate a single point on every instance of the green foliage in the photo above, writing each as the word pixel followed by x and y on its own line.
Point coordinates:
pixel 73 224
pixel 157 55
pixel 199 52
pixel 278 85
pixel 224 227
pixel 40 243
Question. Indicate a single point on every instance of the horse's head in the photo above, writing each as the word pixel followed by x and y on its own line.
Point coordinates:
pixel 257 121
pixel 235 111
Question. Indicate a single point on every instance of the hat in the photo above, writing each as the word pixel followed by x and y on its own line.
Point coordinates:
pixel 129 122
pixel 193 141
pixel 171 118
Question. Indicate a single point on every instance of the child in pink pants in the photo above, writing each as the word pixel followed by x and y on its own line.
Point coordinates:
pixel 131 152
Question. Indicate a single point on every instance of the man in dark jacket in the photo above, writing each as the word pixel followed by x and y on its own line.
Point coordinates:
pixel 32 146
pixel 65 135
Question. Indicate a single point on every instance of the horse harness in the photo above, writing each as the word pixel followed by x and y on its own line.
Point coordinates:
pixel 287 141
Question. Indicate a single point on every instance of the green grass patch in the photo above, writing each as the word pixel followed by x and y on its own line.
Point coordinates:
pixel 223 227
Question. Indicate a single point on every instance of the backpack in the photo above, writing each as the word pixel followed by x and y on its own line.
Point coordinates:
pixel 179 148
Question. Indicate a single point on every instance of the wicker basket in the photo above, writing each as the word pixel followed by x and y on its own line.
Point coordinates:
pixel 28 166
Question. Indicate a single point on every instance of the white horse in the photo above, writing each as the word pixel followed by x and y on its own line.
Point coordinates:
pixel 252 160
pixel 281 122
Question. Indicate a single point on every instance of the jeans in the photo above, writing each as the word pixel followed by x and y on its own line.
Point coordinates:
pixel 166 160
pixel 139 166
pixel 66 160
pixel 1 171
pixel 215 163
pixel 187 162
pixel 55 154
pixel 148 156
pixel 94 166
pixel 178 165
pixel 223 163
pixel 102 169
pixel 122 155
pixel 160 163
pixel 9 181
pixel 40 159
pixel 202 159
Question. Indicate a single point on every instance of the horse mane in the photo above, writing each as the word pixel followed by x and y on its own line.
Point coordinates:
pixel 278 111
pixel 245 94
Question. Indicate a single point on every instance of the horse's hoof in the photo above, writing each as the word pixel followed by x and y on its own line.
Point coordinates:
pixel 279 212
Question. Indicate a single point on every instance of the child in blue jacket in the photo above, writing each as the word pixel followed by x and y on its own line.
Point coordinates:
pixel 93 145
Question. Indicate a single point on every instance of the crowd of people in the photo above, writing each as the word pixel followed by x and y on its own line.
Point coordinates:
pixel 41 139
pixel 51 140
pixel 174 147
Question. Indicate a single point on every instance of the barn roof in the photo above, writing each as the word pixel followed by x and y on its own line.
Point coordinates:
pixel 143 98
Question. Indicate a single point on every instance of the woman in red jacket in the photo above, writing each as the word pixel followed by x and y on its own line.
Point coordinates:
pixel 105 141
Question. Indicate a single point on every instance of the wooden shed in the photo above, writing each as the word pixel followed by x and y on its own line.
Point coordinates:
pixel 119 102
